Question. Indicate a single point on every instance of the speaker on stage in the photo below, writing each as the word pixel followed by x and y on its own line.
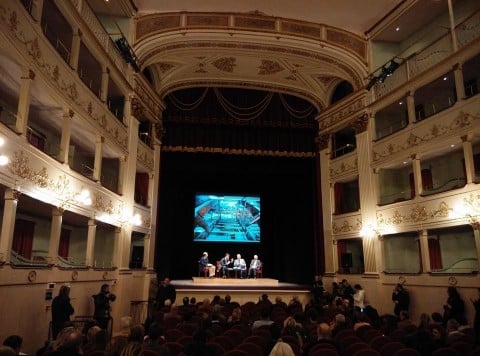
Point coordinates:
pixel 346 260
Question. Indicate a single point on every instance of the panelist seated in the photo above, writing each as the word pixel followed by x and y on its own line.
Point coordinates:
pixel 225 263
pixel 204 264
pixel 255 264
pixel 239 264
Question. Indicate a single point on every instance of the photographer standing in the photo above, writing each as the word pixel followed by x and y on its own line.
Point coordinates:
pixel 102 306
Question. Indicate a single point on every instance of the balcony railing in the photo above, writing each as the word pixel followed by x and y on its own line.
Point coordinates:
pixel 392 128
pixel 71 262
pixel 453 183
pixel 466 32
pixel 340 151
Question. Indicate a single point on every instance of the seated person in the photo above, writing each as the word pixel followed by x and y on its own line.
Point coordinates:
pixel 204 263
pixel 239 264
pixel 254 265
pixel 224 263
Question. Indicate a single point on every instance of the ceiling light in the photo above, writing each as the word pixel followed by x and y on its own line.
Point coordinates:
pixel 2 141
pixel 445 78
pixel 397 29
pixel 400 103
pixel 3 160
pixel 452 145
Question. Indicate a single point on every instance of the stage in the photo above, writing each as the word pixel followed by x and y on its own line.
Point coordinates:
pixel 241 290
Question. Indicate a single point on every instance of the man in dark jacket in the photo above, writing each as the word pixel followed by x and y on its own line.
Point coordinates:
pixel 102 306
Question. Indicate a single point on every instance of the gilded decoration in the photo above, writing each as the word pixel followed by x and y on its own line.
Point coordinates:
pixel 256 21
pixel 164 67
pixel 348 41
pixel 269 67
pixel 206 20
pixel 322 141
pixel 137 108
pixel 291 77
pixel 342 114
pixel 435 131
pixel 360 124
pixel 347 226
pixel 101 206
pixel 356 80
pixel 225 64
pixel 237 151
pixel 344 167
pixel 58 78
pixel 201 68
pixel 302 29
pixel 417 214
pixel 324 80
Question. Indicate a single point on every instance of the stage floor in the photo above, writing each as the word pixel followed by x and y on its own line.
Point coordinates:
pixel 236 282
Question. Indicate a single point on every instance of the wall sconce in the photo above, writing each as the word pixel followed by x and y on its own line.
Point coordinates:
pixel 370 232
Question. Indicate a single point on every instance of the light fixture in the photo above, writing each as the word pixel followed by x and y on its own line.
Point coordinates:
pixel 84 197
pixel 2 141
pixel 445 78
pixel 397 29
pixel 400 103
pixel 3 160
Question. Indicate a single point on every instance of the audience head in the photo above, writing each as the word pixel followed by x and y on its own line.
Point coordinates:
pixel 137 334
pixel 105 288
pixel 185 300
pixel 424 320
pixel 193 301
pixel 6 351
pixel 133 349
pixel 404 315
pixel 14 341
pixel 437 332
pixel 323 331
pixel 91 334
pixel 116 346
pixel 437 318
pixel 155 332
pixel 255 257
pixel 228 298
pixel 340 319
pixel 69 340
pixel 357 287
pixel 452 325
pixel 64 291
pixel 289 322
pixel 282 349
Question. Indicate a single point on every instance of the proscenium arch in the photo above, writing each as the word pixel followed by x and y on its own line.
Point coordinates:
pixel 316 61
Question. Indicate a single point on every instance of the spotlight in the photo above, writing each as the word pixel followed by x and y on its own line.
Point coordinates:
pixel 390 68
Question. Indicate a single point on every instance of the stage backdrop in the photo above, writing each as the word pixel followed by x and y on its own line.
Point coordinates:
pixel 287 189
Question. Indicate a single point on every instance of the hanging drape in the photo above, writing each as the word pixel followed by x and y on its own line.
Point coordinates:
pixel 141 188
pixel 341 248
pixel 427 182
pixel 23 237
pixel 435 254
pixel 338 193
pixel 412 185
pixel 64 245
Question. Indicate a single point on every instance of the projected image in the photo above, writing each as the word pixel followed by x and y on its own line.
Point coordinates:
pixel 226 218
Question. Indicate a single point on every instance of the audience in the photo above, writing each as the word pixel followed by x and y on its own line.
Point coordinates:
pixel 207 328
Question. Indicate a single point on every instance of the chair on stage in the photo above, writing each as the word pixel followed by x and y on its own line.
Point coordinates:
pixel 259 272
pixel 202 270
pixel 218 269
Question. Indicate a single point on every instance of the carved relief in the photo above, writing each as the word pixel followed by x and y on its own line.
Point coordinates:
pixel 346 40
pixel 433 132
pixel 137 108
pixel 343 168
pixel 325 80
pixel 360 124
pixel 302 29
pixel 269 67
pixel 164 67
pixel 225 64
pixel 322 141
pixel 417 214
pixel 347 226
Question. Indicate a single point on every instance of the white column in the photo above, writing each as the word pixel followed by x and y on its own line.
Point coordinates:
pixel 468 157
pixel 411 108
pixel 90 254
pixel 425 254
pixel 324 146
pixel 97 165
pixel 75 50
pixel 476 234
pixel 55 232
pixel 452 26
pixel 66 134
pixel 8 223
pixel 24 98
pixel 459 84
pixel 366 187
pixel 417 175
pixel 104 86
pixel 37 8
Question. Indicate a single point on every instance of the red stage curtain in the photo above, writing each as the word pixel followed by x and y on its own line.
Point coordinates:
pixel 412 186
pixel 141 188
pixel 341 248
pixel 435 254
pixel 64 245
pixel 337 191
pixel 23 237
pixel 427 182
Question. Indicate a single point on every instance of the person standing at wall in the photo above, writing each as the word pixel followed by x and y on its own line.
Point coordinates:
pixel 102 302
pixel 61 310
pixel 401 299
